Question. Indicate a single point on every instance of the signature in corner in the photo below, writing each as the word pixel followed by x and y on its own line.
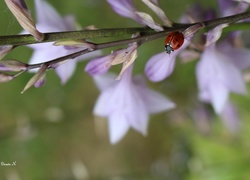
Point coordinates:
pixel 8 164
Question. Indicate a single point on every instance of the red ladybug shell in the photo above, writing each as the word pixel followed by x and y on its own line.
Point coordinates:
pixel 174 41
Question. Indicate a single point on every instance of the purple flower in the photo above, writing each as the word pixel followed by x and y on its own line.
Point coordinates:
pixel 127 103
pixel 47 51
pixel 217 75
pixel 161 65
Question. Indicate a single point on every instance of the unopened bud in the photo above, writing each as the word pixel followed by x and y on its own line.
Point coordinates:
pixel 12 66
pixel 41 81
pixel 130 60
pixel 122 55
pixel 148 20
pixel 5 50
pixel 5 77
pixel 154 6
pixel 39 76
pixel 23 16
pixel 76 43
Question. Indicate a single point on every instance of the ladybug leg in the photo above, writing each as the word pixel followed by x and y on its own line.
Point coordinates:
pixel 169 48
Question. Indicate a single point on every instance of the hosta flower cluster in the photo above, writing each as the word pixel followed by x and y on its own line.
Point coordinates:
pixel 125 99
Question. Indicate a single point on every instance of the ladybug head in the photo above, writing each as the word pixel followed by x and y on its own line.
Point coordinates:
pixel 168 49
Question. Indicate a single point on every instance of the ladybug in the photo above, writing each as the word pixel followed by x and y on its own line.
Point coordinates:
pixel 174 41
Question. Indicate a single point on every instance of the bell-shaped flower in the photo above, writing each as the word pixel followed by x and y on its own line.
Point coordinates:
pixel 47 51
pixel 127 103
pixel 217 75
pixel 161 65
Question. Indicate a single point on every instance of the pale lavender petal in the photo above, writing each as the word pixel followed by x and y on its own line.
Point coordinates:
pixel 124 8
pixel 98 66
pixel 46 14
pixel 238 56
pixel 219 96
pixel 214 34
pixel 136 112
pixel 215 66
pixel 118 126
pixel 103 104
pixel 232 77
pixel 204 95
pixel 160 66
pixel 105 81
pixel 42 54
pixel 66 70
pixel 242 6
pixel 155 102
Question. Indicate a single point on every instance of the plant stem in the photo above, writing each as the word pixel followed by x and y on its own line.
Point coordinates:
pixel 25 39
pixel 142 39
pixel 18 40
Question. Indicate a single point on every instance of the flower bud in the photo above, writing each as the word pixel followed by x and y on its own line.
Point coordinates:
pixel 23 16
pixel 12 66
pixel 5 77
pixel 154 6
pixel 38 79
pixel 5 50
pixel 148 20
pixel 75 43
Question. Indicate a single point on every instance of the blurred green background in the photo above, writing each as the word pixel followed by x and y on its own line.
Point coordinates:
pixel 51 133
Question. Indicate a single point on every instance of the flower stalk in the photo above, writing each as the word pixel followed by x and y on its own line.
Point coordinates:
pixel 25 39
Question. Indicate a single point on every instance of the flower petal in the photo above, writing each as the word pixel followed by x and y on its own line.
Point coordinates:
pixel 155 102
pixel 105 81
pixel 103 104
pixel 219 96
pixel 98 66
pixel 160 66
pixel 118 127
pixel 214 34
pixel 125 8
pixel 66 70
pixel 45 12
